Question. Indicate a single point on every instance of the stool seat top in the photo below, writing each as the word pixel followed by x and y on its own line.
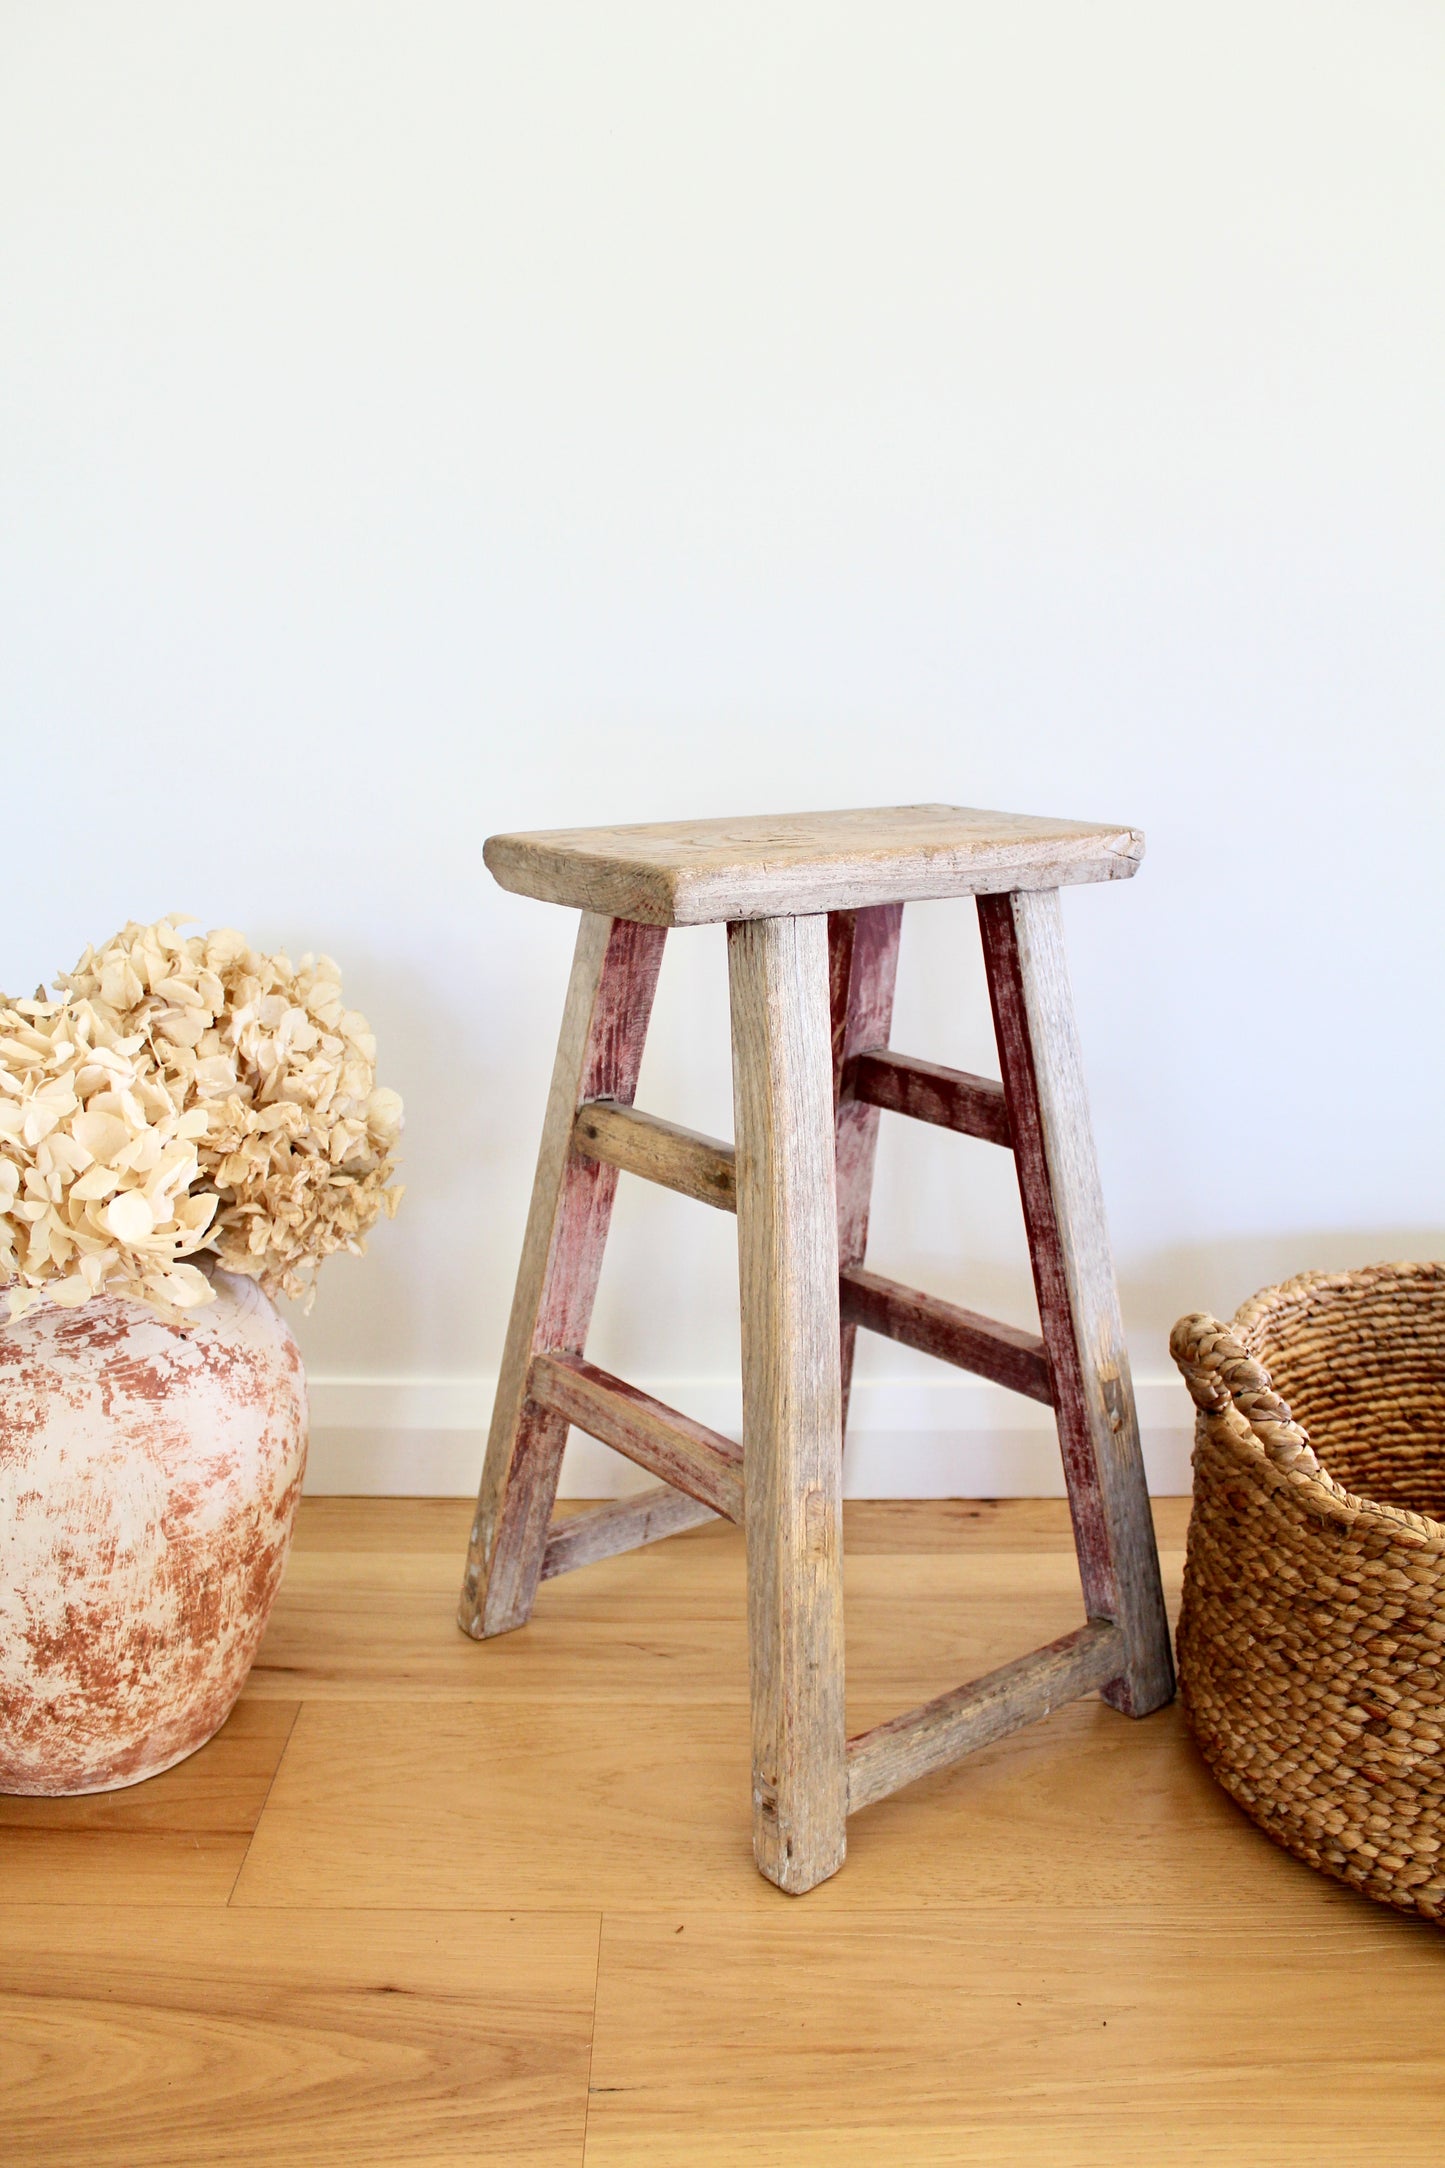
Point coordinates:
pixel 785 865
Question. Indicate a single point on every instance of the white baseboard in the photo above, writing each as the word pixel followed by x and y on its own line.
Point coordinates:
pixel 947 1437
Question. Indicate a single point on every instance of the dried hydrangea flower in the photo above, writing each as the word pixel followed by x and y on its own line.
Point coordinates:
pixel 100 1176
pixel 187 1095
pixel 300 1143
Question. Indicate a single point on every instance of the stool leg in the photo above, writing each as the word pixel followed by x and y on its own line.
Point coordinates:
pixel 862 970
pixel 1074 1277
pixel 604 1024
pixel 792 1427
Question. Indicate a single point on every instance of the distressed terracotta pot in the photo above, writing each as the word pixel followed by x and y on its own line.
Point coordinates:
pixel 149 1479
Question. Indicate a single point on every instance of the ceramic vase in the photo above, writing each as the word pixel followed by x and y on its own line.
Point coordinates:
pixel 149 1480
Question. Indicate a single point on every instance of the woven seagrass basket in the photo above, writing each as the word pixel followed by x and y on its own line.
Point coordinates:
pixel 1312 1637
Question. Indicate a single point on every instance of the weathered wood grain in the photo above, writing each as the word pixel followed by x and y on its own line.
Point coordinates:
pixel 658 1150
pixel 1074 1280
pixel 1004 1353
pixel 907 1747
pixel 623 1524
pixel 689 873
pixel 694 1459
pixel 792 1418
pixel 604 1024
pixel 974 1106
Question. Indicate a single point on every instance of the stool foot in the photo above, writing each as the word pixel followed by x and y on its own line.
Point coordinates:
pixel 792 1421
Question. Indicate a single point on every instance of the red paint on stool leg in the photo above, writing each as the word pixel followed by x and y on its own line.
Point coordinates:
pixel 862 972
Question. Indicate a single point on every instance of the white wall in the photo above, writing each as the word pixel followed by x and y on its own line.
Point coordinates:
pixel 423 420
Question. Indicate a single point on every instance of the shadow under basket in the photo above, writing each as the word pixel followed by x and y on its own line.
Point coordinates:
pixel 1312 1634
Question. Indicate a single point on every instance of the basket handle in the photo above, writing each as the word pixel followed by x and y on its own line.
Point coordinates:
pixel 1218 1371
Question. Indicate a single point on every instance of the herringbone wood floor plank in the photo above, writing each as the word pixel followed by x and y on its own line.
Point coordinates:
pixel 1070 1951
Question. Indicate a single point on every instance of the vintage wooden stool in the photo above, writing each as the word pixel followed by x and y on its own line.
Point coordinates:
pixel 813 904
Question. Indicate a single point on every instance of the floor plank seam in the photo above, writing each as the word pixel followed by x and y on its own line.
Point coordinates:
pixel 285 1750
pixel 592 2039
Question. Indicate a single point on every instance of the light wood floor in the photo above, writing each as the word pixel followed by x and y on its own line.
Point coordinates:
pixel 425 1902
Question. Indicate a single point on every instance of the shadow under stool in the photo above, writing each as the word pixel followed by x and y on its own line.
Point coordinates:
pixel 813 904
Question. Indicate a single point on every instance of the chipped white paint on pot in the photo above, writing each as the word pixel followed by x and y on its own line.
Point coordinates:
pixel 149 1479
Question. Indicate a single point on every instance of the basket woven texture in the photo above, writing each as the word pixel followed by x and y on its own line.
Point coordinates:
pixel 1312 1635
